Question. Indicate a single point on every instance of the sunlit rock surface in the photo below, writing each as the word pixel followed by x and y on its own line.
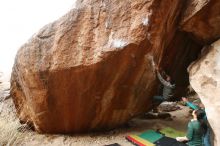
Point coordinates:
pixel 93 69
pixel 205 79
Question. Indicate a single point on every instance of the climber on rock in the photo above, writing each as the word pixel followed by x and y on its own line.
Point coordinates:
pixel 167 90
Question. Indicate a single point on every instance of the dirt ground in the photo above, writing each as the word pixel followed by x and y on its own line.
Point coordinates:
pixel 13 133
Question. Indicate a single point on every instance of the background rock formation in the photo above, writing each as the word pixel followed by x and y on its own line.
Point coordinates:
pixel 94 67
pixel 202 20
pixel 205 79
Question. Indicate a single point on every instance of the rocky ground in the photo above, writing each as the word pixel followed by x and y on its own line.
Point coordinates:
pixel 13 133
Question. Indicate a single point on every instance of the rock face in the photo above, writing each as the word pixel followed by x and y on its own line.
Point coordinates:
pixel 94 67
pixel 205 79
pixel 202 20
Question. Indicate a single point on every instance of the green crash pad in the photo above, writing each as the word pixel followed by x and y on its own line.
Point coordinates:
pixel 151 135
pixel 172 133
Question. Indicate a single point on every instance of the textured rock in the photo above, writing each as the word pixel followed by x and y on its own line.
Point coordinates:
pixel 93 68
pixel 205 79
pixel 202 20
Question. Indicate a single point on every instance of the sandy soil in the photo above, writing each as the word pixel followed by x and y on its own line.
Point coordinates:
pixel 13 133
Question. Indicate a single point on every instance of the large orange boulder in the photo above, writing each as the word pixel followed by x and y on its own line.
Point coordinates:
pixel 94 68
